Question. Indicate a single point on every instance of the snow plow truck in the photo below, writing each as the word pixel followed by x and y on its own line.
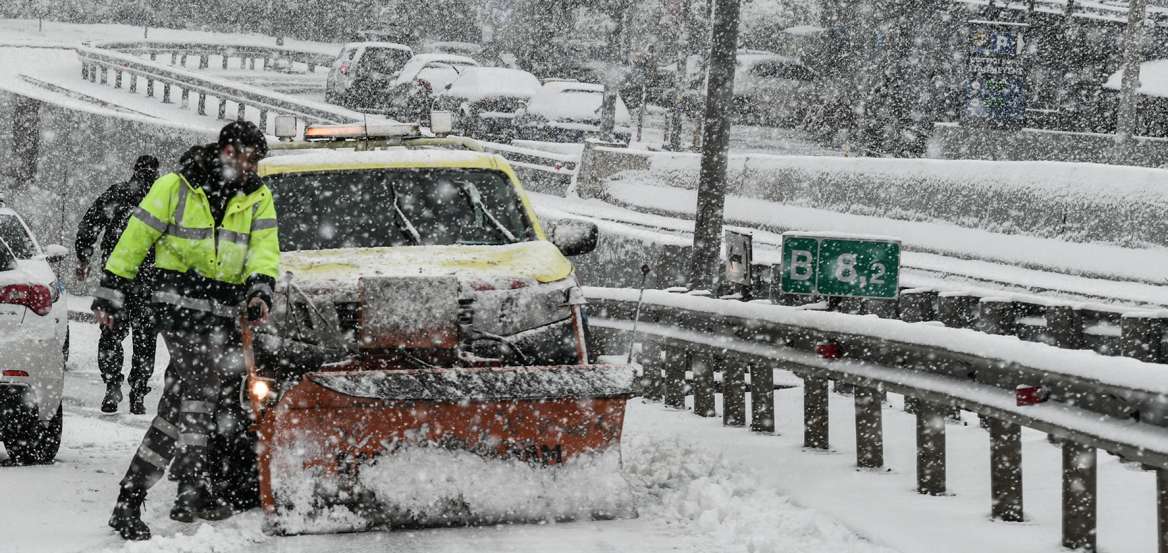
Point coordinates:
pixel 427 362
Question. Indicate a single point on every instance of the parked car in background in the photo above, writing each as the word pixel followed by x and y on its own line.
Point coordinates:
pixel 410 96
pixel 34 343
pixel 363 71
pixel 485 100
pixel 770 89
pixel 568 111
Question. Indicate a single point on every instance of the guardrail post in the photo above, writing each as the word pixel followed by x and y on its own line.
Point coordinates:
pixel 202 107
pixel 133 83
pixel 263 119
pixel 1005 470
pixel 251 63
pixel 104 74
pixel 225 58
pixel 917 305
pixel 183 60
pixel 1140 336
pixel 1079 507
pixel 1162 509
pixel 84 71
pixel 185 98
pixel 93 73
pixel 222 109
pixel 733 394
pixel 869 428
pixel 267 60
pixel 149 87
pixel 815 423
pixel 204 61
pixel 703 377
pixel 117 78
pixel 173 57
pixel 240 112
pixel 675 365
pixel 166 93
pixel 762 398
pixel 931 448
pixel 957 309
pixel 997 316
pixel 881 307
pixel 153 56
pixel 1064 325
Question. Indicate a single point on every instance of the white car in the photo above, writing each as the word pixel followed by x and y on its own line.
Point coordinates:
pixel 362 70
pixel 34 342
pixel 568 111
pixel 485 100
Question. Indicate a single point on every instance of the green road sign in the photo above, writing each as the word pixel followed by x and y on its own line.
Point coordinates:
pixel 840 265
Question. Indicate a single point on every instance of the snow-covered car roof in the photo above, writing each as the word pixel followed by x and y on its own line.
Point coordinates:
pixel 573 101
pixel 419 61
pixel 477 83
pixel 389 158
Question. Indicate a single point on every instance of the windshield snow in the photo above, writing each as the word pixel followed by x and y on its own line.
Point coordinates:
pixel 356 209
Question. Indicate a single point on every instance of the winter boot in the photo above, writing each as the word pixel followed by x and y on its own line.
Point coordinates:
pixel 186 503
pixel 138 399
pixel 113 396
pixel 127 515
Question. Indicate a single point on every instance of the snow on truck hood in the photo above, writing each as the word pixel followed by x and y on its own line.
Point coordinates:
pixel 537 260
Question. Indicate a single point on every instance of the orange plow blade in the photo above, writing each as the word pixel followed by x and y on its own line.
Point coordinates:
pixel 352 450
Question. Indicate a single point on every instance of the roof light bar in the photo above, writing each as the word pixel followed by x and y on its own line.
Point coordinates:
pixel 360 131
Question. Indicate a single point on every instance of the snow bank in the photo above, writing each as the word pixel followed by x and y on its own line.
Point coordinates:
pixel 1071 201
pixel 433 486
pixel 689 485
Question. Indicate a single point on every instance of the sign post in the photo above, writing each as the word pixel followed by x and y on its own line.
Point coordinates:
pixel 996 83
pixel 840 265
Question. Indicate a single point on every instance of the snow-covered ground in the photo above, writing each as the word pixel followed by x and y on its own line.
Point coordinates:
pixel 698 487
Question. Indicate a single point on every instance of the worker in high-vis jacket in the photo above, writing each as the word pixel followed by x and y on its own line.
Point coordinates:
pixel 212 226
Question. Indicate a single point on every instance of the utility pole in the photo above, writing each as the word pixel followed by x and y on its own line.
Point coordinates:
pixel 673 133
pixel 1132 49
pixel 614 73
pixel 707 246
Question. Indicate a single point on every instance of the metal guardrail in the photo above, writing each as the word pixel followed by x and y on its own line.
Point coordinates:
pixel 97 64
pixel 247 54
pixel 1084 414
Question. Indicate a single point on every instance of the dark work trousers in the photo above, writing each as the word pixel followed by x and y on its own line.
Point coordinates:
pixel 137 315
pixel 188 413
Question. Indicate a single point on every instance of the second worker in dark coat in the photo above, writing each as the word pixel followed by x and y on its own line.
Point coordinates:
pixel 107 218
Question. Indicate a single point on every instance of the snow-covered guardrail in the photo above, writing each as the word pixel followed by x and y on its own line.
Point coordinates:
pixel 247 54
pixel 1095 402
pixel 97 64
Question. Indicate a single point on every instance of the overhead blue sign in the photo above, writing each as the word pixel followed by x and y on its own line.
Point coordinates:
pixel 995 87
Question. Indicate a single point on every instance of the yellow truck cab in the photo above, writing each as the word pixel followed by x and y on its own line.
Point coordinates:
pixel 420 249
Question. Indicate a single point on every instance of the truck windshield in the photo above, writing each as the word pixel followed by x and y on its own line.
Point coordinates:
pixel 397 207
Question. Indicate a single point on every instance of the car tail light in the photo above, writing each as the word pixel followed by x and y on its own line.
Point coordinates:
pixel 424 85
pixel 345 68
pixel 12 372
pixel 36 297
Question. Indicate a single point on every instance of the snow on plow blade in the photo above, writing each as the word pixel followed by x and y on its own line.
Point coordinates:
pixel 357 450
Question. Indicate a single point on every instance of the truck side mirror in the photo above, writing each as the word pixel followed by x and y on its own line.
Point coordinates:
pixel 574 237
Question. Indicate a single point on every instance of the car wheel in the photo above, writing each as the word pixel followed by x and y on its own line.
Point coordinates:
pixel 38 442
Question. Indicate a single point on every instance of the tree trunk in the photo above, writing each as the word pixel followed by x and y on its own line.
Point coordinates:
pixel 715 143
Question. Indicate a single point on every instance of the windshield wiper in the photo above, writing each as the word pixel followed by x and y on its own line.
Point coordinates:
pixel 403 222
pixel 476 200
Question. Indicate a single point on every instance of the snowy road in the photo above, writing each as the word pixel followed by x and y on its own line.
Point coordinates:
pixel 700 487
